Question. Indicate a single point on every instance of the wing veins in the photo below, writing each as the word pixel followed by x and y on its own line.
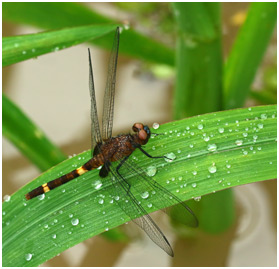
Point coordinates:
pixel 109 96
pixel 145 222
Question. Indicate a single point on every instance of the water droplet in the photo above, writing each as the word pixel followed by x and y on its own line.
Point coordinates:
pixel 194 185
pixel 259 148
pixel 221 130
pixel 16 45
pixel 97 184
pixel 28 256
pixel 101 201
pixel 212 169
pixel 41 197
pixel 45 226
pixel 212 147
pixel 195 173
pixel 260 126
pixel 170 157
pixel 75 222
pixel 238 142
pixel 245 152
pixel 197 199
pixel 263 116
pixel 149 205
pixel 228 166
pixel 54 236
pixel 155 125
pixel 24 52
pixel 7 198
pixel 145 195
pixel 206 138
pixel 200 126
pixel 151 170
pixel 245 134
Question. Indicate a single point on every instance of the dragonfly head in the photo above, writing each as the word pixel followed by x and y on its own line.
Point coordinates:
pixel 143 133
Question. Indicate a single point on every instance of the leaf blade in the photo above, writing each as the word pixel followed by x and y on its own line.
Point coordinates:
pixel 27 231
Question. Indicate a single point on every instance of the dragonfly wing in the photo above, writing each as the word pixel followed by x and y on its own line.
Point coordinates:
pixel 96 139
pixel 108 107
pixel 130 205
pixel 158 196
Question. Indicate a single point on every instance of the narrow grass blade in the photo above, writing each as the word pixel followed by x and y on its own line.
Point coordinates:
pixel 28 138
pixel 212 152
pixel 48 16
pixel 247 52
pixel 19 48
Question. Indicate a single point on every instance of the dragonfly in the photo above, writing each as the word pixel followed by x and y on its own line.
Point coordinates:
pixel 114 155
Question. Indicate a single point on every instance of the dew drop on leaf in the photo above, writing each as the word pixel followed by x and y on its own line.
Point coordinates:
pixel 75 222
pixel 238 142
pixel 151 170
pixel 145 195
pixel 28 256
pixel 212 169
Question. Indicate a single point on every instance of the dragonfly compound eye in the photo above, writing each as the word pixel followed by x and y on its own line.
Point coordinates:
pixel 142 135
pixel 137 127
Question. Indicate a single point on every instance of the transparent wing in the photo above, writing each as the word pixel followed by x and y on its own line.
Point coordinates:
pixel 131 206
pixel 158 196
pixel 96 138
pixel 108 107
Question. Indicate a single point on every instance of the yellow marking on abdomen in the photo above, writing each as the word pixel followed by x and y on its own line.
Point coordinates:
pixel 81 171
pixel 45 187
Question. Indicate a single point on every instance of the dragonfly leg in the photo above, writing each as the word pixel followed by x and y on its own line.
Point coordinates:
pixel 149 156
pixel 105 170
pixel 117 171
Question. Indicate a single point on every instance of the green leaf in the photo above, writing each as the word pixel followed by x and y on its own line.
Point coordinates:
pixel 213 152
pixel 60 15
pixel 264 97
pixel 19 48
pixel 28 138
pixel 247 53
pixel 198 86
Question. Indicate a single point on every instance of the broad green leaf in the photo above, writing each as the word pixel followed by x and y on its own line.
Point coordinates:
pixel 50 16
pixel 28 138
pixel 213 152
pixel 19 48
pixel 198 86
pixel 196 20
pixel 247 53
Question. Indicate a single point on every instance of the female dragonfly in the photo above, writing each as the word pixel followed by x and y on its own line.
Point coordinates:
pixel 113 154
